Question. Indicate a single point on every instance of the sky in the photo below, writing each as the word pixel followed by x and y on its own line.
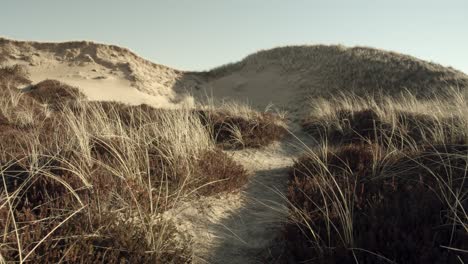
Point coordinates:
pixel 202 34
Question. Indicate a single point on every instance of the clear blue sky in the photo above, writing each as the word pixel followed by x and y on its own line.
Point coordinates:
pixel 200 34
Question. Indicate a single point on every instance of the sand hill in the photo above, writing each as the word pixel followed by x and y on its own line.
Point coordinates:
pixel 103 72
pixel 283 76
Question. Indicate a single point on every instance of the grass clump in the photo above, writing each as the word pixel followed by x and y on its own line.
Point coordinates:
pixel 237 126
pixel 54 93
pixel 218 172
pixel 12 76
pixel 401 121
pixel 383 186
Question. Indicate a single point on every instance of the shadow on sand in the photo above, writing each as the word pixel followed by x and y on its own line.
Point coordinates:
pixel 247 234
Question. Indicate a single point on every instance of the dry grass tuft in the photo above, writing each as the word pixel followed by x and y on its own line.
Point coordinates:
pixel 356 204
pixel 404 121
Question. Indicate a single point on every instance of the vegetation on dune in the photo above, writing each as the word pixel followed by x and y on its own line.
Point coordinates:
pixel 11 76
pixel 386 184
pixel 88 182
pixel 361 70
pixel 54 93
pixel 234 129
pixel 401 121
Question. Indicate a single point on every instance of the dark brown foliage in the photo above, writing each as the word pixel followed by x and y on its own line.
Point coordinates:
pixel 13 76
pixel 218 172
pixel 257 132
pixel 54 93
pixel 350 127
pixel 97 234
pixel 398 208
pixel 13 141
pixel 366 126
pixel 47 190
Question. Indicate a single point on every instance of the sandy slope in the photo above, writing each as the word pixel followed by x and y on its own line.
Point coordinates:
pixel 102 72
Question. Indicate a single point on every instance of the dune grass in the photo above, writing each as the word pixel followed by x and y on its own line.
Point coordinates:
pixel 89 181
pixel 387 182
pixel 402 120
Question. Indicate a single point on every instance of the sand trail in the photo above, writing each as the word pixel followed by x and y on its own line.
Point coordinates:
pixel 239 228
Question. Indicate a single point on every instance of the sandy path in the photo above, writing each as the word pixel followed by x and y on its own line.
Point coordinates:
pixel 237 228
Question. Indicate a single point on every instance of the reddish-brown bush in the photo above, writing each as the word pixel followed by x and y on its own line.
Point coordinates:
pixel 54 93
pixel 218 172
pixel 97 233
pixel 233 132
pixel 398 205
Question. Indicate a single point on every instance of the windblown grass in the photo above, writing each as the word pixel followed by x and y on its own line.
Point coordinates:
pixel 398 121
pixel 89 181
pixel 387 183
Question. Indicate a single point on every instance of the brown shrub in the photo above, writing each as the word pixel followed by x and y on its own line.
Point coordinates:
pixel 366 126
pixel 13 76
pixel 399 207
pixel 54 93
pixel 349 127
pixel 112 226
pixel 234 132
pixel 134 116
pixel 213 172
pixel 91 236
pixel 3 121
pixel 426 128
pixel 96 233
pixel 217 172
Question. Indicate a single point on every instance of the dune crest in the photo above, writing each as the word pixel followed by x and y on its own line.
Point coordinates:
pixel 103 72
pixel 284 76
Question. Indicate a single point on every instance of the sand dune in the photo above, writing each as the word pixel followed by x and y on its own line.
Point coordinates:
pixel 283 76
pixel 103 72
pixel 235 227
